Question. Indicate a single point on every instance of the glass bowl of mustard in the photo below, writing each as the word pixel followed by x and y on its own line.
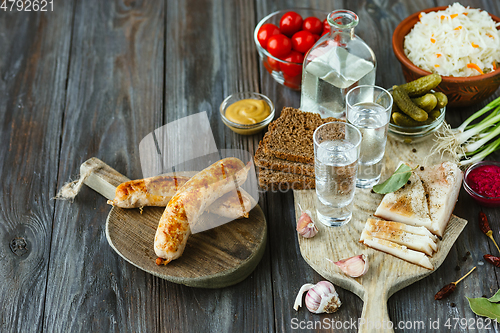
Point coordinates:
pixel 247 113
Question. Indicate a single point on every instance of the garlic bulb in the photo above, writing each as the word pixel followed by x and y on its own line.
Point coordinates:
pixel 355 266
pixel 306 227
pixel 321 297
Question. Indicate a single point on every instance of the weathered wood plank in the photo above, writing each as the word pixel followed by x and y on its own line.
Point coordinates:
pixel 114 99
pixel 33 71
pixel 209 55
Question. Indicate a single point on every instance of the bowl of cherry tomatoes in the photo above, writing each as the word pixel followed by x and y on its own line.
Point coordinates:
pixel 284 37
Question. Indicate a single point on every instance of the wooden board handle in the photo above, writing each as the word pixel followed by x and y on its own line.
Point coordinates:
pixel 375 316
pixel 101 177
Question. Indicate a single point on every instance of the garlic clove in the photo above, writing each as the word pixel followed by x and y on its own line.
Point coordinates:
pixel 298 299
pixel 355 266
pixel 306 227
pixel 321 297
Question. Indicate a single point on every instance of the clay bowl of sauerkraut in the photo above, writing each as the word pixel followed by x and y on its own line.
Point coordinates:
pixel 456 42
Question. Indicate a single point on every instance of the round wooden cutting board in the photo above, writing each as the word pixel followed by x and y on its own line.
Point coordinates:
pixel 215 258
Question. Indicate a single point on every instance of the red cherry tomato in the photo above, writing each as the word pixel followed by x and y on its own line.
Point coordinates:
pixel 266 31
pixel 271 64
pixel 268 67
pixel 279 45
pixel 313 25
pixel 292 82
pixel 292 69
pixel 316 37
pixel 326 26
pixel 290 23
pixel 302 41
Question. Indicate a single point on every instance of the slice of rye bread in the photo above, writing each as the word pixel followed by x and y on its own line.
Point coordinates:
pixel 290 137
pixel 266 161
pixel 281 181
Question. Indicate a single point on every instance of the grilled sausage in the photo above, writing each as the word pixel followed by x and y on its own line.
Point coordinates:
pixel 153 191
pixel 234 204
pixel 157 191
pixel 189 203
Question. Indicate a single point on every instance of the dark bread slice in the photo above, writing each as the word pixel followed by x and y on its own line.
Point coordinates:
pixel 290 137
pixel 282 181
pixel 266 161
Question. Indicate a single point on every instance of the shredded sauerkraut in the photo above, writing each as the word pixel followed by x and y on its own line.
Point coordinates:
pixel 457 41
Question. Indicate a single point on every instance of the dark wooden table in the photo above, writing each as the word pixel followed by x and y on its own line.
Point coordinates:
pixel 92 78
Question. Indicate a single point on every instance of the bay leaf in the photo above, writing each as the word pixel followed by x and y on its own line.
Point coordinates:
pixel 495 298
pixel 395 182
pixel 483 307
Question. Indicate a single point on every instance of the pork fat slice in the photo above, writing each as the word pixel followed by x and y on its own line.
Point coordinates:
pixel 379 229
pixel 407 205
pixel 442 182
pixel 399 251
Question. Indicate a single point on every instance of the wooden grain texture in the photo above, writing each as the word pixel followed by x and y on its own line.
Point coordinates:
pixel 210 55
pixel 215 258
pixel 132 66
pixel 35 55
pixel 114 98
pixel 388 274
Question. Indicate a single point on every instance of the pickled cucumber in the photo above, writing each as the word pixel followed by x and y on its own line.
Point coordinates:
pixel 433 115
pixel 406 105
pixel 395 107
pixel 442 100
pixel 421 85
pixel 402 119
pixel 427 102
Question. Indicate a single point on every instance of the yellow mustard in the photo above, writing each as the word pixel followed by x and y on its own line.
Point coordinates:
pixel 248 111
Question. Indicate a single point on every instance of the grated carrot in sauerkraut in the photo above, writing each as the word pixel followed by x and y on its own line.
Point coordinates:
pixel 457 41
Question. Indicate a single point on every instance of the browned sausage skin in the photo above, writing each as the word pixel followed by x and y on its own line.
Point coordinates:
pixel 191 200
pixel 153 191
pixel 157 191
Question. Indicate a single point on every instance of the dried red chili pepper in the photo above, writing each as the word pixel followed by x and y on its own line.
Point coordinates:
pixel 449 288
pixel 485 228
pixel 492 259
pixel 445 291
pixel 483 224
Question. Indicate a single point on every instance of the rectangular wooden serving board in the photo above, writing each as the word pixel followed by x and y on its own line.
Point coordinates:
pixel 387 274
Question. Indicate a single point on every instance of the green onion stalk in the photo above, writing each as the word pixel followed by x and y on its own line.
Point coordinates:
pixel 472 142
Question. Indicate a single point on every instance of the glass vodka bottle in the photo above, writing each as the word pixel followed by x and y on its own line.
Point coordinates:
pixel 339 61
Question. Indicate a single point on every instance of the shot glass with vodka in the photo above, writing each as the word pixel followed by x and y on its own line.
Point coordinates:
pixel 336 154
pixel 369 108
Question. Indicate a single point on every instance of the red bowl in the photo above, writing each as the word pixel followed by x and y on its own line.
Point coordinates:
pixel 461 91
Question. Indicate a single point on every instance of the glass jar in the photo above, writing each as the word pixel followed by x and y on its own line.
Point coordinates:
pixel 338 61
